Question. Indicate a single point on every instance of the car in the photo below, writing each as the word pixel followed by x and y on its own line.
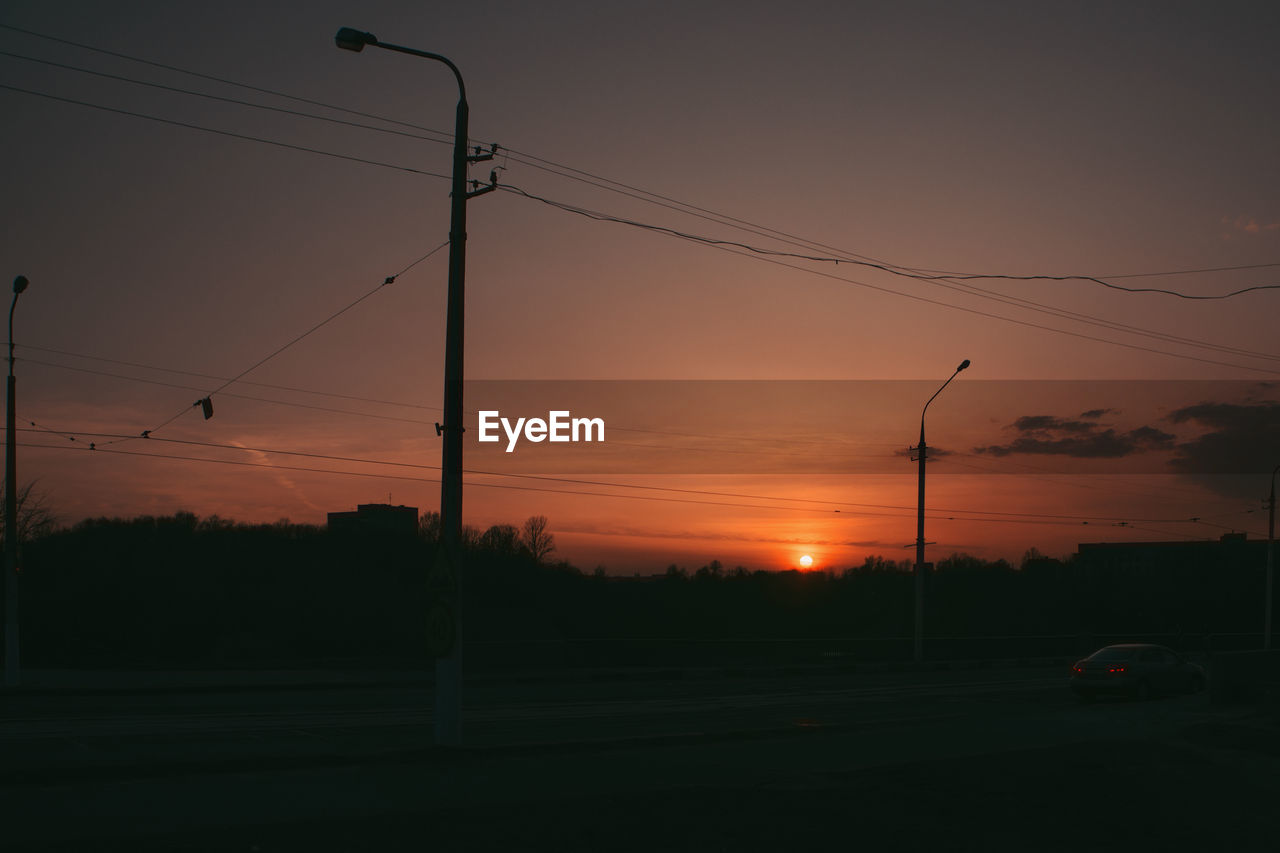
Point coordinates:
pixel 1138 670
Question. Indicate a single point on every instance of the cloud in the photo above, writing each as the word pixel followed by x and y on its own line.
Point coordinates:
pixel 935 452
pixel 1250 225
pixel 1239 438
pixel 281 478
pixel 1046 423
pixel 1094 414
pixel 1048 435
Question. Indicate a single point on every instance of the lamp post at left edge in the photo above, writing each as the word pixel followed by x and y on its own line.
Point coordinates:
pixel 11 657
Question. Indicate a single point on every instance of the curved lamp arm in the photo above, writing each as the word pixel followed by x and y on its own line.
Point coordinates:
pixel 964 364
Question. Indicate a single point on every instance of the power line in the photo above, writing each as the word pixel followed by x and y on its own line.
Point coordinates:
pixel 223 80
pixel 1103 282
pixel 987 515
pixel 768 439
pixel 203 376
pixel 727 245
pixel 575 492
pixel 208 397
pixel 722 219
pixel 905 272
pixel 143 380
pixel 1093 320
pixel 427 480
pixel 389 280
pixel 897 269
pixel 648 431
pixel 1231 529
pixel 229 394
pixel 1190 272
pixel 920 273
pixel 983 464
pixel 650 197
pixel 885 266
pixel 1001 317
pixel 765 256
pixel 771 253
pixel 442 137
pixel 772 440
pixel 228 133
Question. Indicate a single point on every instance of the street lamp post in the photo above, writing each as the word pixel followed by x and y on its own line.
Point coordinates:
pixel 921 453
pixel 1271 543
pixel 11 659
pixel 448 706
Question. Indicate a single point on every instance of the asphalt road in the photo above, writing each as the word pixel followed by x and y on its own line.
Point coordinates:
pixel 302 768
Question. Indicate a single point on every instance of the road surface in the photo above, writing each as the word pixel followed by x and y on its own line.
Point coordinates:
pixel 586 762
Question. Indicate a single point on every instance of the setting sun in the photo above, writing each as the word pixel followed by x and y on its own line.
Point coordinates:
pixel 806 561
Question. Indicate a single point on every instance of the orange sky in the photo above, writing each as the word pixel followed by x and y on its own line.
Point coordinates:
pixel 1106 141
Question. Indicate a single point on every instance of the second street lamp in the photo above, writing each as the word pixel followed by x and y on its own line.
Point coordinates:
pixel 445 623
pixel 921 452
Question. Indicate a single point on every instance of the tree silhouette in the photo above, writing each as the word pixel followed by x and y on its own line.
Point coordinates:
pixel 501 539
pixel 537 538
pixel 429 526
pixel 35 518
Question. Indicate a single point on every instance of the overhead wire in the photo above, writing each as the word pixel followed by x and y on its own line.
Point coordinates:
pixel 841 506
pixel 216 79
pixel 905 272
pixel 534 161
pixel 976 462
pixel 941 280
pixel 147 433
pixel 443 139
pixel 229 394
pixel 943 516
pixel 954 277
pixel 769 254
pixel 426 480
pixel 755 253
pixel 772 439
pixel 721 218
pixel 242 381
pixel 243 136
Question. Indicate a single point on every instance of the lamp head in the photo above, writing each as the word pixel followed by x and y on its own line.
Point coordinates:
pixel 963 365
pixel 20 284
pixel 349 39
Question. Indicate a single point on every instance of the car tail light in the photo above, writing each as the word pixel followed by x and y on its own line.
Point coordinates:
pixel 1116 670
pixel 1077 669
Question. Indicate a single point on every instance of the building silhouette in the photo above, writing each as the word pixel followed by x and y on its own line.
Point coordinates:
pixel 1232 552
pixel 376 518
pixel 1190 588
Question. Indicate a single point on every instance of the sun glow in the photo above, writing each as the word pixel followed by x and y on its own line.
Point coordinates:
pixel 806 561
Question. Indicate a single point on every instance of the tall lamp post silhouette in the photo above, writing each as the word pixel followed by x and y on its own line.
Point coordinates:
pixel 444 621
pixel 1271 544
pixel 11 513
pixel 921 453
